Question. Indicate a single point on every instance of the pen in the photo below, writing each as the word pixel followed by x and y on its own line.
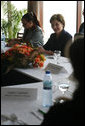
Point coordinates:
pixel 33 113
pixel 41 111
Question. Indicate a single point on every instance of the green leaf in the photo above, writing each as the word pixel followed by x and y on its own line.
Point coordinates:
pixel 13 25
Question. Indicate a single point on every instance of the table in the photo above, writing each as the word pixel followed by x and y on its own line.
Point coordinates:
pixel 24 108
pixel 38 73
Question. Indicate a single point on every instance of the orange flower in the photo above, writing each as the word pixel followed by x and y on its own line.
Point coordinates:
pixel 13 55
pixel 16 45
pixel 37 60
pixel 27 53
pixel 41 63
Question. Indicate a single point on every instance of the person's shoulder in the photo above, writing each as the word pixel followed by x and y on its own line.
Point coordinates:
pixel 81 29
pixel 82 24
pixel 52 35
pixel 66 34
pixel 38 29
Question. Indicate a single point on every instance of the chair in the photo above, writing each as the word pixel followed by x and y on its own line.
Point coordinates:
pixel 19 35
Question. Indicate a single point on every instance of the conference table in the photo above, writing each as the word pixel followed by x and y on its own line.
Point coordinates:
pixel 30 111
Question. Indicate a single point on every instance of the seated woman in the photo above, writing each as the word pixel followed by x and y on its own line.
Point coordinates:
pixel 59 38
pixel 32 31
pixel 71 112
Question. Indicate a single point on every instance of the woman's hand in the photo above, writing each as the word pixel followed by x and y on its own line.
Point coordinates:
pixel 12 42
pixel 42 50
pixel 49 52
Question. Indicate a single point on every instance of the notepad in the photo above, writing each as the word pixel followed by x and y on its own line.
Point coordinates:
pixel 19 93
pixel 55 69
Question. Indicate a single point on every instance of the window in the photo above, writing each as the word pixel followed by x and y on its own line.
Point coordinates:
pixel 11 14
pixel 66 8
pixel 20 5
pixel 82 18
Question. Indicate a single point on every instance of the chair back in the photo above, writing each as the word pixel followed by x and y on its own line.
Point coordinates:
pixel 19 35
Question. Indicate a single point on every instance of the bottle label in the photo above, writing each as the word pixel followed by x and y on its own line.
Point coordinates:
pixel 47 85
pixel 47 98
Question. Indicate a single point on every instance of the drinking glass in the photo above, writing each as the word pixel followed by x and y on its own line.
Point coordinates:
pixel 63 87
pixel 57 54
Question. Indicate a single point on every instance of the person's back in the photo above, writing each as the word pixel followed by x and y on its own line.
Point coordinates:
pixel 67 113
pixel 71 112
pixel 81 29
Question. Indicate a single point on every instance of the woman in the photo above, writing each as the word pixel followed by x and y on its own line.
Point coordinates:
pixel 32 31
pixel 59 38
pixel 71 112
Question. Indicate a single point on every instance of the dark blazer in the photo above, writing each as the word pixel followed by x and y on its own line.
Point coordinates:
pixel 59 43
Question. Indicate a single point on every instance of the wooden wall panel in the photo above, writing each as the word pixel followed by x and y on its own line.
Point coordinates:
pixel 37 8
pixel 79 14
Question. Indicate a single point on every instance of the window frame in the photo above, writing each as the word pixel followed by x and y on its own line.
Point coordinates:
pixel 37 7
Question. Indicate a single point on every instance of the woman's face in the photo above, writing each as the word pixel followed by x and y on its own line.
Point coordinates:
pixel 27 24
pixel 57 26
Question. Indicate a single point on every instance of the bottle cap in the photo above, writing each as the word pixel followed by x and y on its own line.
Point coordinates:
pixel 47 72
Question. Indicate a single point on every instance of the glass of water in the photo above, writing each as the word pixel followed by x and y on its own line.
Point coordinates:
pixel 63 87
pixel 57 55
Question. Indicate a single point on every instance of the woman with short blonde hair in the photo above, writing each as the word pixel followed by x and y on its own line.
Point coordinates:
pixel 59 38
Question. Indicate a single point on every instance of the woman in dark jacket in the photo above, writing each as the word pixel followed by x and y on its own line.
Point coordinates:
pixel 71 112
pixel 59 39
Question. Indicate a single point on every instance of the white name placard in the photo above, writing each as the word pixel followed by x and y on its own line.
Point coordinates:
pixel 19 93
pixel 55 69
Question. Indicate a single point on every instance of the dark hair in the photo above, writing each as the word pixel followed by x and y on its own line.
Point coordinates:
pixel 76 53
pixel 59 18
pixel 31 17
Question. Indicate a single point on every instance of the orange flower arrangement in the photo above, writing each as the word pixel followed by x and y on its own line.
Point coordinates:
pixel 20 56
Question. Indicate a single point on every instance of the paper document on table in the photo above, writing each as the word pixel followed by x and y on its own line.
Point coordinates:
pixel 11 120
pixel 19 93
pixel 55 69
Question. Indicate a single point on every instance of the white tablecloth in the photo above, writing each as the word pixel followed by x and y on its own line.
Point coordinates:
pixel 23 108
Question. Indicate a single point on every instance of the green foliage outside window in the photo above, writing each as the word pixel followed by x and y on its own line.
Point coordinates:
pixel 11 24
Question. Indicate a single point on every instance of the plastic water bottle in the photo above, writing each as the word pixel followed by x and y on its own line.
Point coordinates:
pixel 47 89
pixel 2 43
pixel 3 37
